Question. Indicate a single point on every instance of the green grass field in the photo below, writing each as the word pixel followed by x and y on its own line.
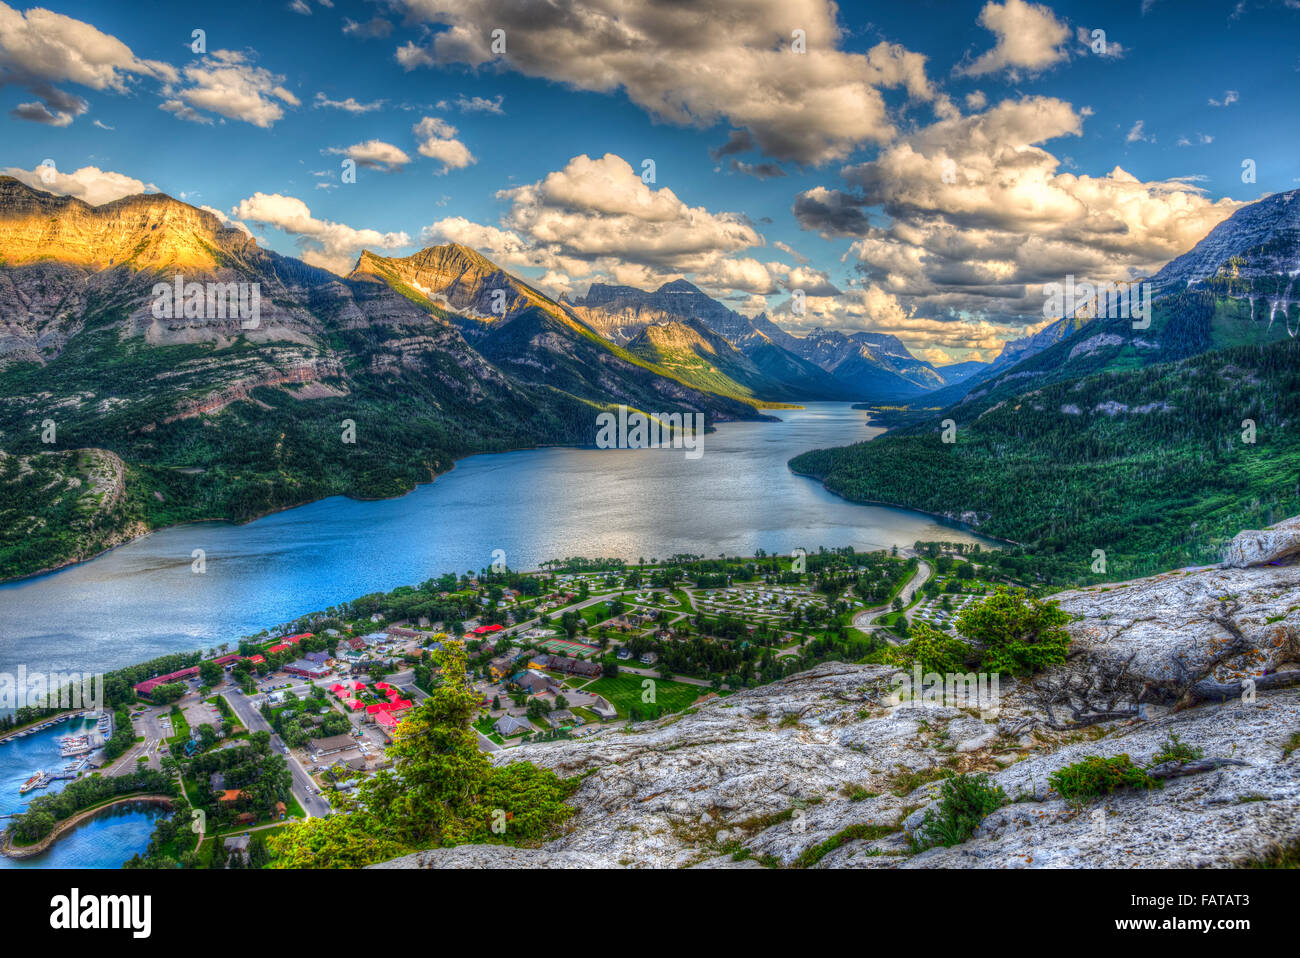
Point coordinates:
pixel 624 693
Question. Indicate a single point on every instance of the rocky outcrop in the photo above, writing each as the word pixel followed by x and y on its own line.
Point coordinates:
pixel 1254 547
pixel 822 769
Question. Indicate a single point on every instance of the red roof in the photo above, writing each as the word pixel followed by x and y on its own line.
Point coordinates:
pixel 255 659
pixel 354 704
pixel 279 648
pixel 382 685
pixel 486 629
pixel 396 705
pixel 386 720
pixel 295 639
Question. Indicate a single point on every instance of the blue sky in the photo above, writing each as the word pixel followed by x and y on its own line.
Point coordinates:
pixel 938 161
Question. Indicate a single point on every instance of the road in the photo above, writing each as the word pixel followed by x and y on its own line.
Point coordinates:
pixel 304 788
pixel 865 620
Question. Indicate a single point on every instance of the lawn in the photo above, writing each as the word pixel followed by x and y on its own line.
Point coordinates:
pixel 624 693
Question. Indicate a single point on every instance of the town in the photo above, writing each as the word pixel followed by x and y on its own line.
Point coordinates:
pixel 286 723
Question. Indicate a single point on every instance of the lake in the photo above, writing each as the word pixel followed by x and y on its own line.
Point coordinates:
pixel 144 599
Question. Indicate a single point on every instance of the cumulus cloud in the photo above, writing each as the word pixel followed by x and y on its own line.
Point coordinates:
pixel 597 219
pixel 1029 40
pixel 438 141
pixel 90 183
pixel 979 215
pixel 323 243
pixel 374 155
pixel 731 60
pixel 1229 98
pixel 39 49
pixel 226 83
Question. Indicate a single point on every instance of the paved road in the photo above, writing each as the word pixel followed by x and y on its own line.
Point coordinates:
pixel 303 787
pixel 865 620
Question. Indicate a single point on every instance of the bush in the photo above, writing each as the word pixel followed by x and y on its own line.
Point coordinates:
pixel 934 651
pixel 1015 634
pixel 1174 749
pixel 964 801
pixel 1096 776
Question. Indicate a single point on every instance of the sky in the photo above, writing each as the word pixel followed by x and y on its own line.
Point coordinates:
pixel 920 169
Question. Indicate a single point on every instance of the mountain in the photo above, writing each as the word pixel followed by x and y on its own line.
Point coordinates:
pixel 1258 241
pixel 224 417
pixel 848 773
pixel 878 366
pixel 955 373
pixel 1238 286
pixel 822 365
pixel 1149 465
pixel 621 313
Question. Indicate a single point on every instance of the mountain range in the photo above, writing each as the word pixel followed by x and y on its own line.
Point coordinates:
pixel 115 419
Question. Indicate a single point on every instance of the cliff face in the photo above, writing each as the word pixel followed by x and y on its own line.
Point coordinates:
pixel 773 772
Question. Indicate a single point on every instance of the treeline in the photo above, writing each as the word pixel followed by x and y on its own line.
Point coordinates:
pixel 48 810
pixel 1155 467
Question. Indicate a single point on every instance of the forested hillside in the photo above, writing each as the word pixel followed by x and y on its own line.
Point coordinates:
pixel 1148 465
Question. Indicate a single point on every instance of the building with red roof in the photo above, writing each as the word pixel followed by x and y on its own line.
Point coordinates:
pixel 486 630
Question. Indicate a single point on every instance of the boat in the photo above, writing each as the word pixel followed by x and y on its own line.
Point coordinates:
pixel 39 780
pixel 74 745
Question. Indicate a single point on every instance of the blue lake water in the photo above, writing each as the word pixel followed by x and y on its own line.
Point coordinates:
pixel 144 600
pixel 105 841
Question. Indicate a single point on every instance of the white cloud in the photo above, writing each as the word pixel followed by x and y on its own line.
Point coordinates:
pixel 1029 39
pixel 595 218
pixel 978 215
pixel 474 104
pixel 1101 46
pixel 375 155
pixel 438 141
pixel 351 105
pixel 225 83
pixel 1229 98
pixel 90 183
pixel 39 49
pixel 729 60
pixel 1135 134
pixel 329 245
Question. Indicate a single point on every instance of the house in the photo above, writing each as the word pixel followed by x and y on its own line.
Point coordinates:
pixel 623 652
pixel 534 683
pixel 230 795
pixel 356 645
pixel 238 846
pixel 649 658
pixel 307 669
pixel 397 632
pixel 508 725
pixel 561 717
pixel 217 782
pixel 282 647
pixel 279 810
pixel 562 663
pixel 483 630
pixel 374 638
pixel 320 658
pixel 603 709
pixel 501 666
pixel 257 659
pixel 335 743
pixel 386 721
